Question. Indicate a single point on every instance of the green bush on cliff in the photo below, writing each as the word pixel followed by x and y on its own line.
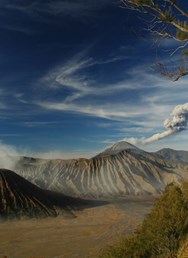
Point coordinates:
pixel 162 230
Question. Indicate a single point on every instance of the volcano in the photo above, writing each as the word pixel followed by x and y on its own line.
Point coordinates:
pixel 120 170
pixel 20 198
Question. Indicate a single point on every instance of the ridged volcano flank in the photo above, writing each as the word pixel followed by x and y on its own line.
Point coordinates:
pixel 129 172
pixel 116 148
pixel 21 198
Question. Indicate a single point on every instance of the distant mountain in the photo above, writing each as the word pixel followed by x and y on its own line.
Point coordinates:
pixel 116 148
pixel 20 198
pixel 118 172
pixel 173 155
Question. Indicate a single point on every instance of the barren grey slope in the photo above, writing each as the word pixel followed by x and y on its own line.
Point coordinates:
pixel 116 148
pixel 129 172
pixel 178 156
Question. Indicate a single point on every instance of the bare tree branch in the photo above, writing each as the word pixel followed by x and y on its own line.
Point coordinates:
pixel 169 20
pixel 178 8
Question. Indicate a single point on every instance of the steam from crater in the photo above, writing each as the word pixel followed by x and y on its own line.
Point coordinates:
pixel 175 124
pixel 9 155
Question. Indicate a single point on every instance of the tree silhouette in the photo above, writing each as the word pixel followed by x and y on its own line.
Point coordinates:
pixel 167 19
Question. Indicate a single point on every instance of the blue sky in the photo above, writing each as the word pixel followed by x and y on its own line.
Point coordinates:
pixel 76 76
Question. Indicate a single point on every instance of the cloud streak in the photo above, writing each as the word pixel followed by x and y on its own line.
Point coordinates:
pixel 74 9
pixel 73 78
pixel 104 111
pixel 139 117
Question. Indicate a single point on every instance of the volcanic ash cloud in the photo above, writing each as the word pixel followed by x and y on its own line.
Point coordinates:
pixel 175 124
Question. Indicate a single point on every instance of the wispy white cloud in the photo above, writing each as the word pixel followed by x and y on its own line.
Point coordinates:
pixel 10 135
pixel 70 7
pixel 105 111
pixel 103 124
pixel 71 75
pixel 39 123
pixel 152 97
pixel 38 8
pixel 43 11
pixel 140 130
pixel 17 28
pixel 148 111
pixel 10 155
pixel 3 105
pixel 59 154
pixel 107 141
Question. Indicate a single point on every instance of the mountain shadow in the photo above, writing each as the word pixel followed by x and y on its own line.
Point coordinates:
pixel 21 199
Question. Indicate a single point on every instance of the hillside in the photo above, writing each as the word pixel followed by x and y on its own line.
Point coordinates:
pixel 173 155
pixel 20 198
pixel 163 232
pixel 128 172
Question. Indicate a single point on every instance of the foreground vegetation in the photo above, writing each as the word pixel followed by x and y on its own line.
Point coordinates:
pixel 163 233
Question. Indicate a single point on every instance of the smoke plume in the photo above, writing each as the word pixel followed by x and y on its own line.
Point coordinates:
pixel 9 156
pixel 175 124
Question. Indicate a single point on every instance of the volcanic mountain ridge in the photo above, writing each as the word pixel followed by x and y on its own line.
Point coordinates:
pixel 130 171
pixel 20 199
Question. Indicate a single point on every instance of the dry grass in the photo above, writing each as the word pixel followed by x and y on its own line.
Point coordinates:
pixel 81 237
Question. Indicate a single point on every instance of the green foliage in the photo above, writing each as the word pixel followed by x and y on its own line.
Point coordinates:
pixel 183 252
pixel 127 248
pixel 167 15
pixel 162 230
pixel 144 2
pixel 141 2
pixel 185 52
pixel 182 24
pixel 181 35
pixel 184 188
